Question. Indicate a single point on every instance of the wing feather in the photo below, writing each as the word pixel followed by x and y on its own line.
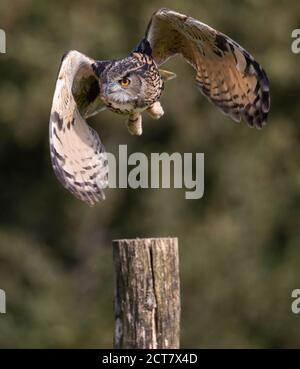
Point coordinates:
pixel 225 72
pixel 77 154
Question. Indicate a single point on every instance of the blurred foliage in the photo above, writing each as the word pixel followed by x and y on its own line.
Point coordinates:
pixel 239 244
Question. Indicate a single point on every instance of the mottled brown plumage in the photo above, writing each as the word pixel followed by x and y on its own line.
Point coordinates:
pixel 225 73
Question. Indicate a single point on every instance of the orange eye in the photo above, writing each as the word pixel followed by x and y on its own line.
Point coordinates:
pixel 124 81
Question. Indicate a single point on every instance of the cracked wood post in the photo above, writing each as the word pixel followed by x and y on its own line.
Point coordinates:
pixel 147 293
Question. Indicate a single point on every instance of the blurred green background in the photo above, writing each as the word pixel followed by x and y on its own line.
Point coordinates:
pixel 239 244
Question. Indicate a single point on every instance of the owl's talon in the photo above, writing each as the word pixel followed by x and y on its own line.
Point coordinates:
pixel 134 124
pixel 155 111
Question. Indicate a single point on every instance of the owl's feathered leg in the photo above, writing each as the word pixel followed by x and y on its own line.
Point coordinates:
pixel 134 124
pixel 155 110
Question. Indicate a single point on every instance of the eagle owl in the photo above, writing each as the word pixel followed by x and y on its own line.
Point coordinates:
pixel 226 74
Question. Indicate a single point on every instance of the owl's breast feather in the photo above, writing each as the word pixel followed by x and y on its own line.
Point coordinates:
pixel 125 108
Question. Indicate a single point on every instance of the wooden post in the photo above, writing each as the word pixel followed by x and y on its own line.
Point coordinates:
pixel 147 293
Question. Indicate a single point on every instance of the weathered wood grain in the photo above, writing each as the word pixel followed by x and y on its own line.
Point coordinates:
pixel 147 293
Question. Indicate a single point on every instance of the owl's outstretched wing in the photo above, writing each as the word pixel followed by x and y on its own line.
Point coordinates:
pixel 225 73
pixel 77 154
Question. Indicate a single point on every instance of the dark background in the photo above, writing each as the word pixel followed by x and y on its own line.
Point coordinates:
pixel 239 244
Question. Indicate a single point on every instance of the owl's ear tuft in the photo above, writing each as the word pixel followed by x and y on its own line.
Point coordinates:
pixel 99 66
pixel 143 47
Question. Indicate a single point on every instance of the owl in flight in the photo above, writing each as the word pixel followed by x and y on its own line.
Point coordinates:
pixel 226 74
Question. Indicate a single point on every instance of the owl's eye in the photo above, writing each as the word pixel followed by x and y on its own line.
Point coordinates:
pixel 124 81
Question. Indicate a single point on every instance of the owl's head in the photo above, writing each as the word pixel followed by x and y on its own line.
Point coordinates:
pixel 127 81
